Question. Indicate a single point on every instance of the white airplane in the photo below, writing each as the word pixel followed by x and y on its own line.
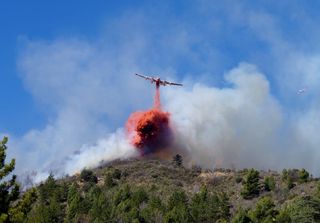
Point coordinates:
pixel 158 81
pixel 302 90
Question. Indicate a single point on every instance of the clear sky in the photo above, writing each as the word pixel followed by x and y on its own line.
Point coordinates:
pixel 70 63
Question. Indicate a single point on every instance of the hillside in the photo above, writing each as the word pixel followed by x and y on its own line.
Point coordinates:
pixel 150 190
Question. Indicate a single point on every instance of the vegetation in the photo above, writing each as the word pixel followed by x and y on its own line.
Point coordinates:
pixel 177 159
pixel 9 189
pixel 157 191
pixel 269 183
pixel 250 184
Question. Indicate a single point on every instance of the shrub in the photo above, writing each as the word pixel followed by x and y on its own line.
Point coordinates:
pixel 269 183
pixel 88 176
pixel 250 184
pixel 265 210
pixel 303 176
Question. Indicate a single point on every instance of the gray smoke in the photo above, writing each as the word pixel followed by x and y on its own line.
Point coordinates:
pixel 242 125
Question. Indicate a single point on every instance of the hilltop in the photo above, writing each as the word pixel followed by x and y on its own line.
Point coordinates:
pixel 151 190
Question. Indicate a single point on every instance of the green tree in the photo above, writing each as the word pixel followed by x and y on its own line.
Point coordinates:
pixel 73 204
pixel 303 176
pixel 317 193
pixel 219 207
pixel 88 176
pixel 207 207
pixel 304 209
pixel 116 174
pixel 199 205
pixel 9 190
pixel 49 207
pixel 126 204
pixel 269 183
pixel 241 216
pixel 47 189
pixel 18 213
pixel 177 208
pixel 108 180
pixel 283 216
pixel 250 184
pixel 289 183
pixel 265 210
pixel 154 210
pixel 100 206
pixel 46 213
pixel 284 174
pixel 289 177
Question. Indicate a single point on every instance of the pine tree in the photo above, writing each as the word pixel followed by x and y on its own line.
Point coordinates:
pixel 9 190
pixel 303 176
pixel 18 213
pixel 177 159
pixel 250 184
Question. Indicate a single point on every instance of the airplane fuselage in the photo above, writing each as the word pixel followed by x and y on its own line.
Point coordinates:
pixel 158 82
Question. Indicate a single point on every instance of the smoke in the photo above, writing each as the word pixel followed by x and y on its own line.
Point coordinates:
pixel 85 93
pixel 240 126
pixel 86 90
pixel 114 146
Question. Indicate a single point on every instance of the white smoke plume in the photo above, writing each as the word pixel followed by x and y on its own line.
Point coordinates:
pixel 87 90
pixel 86 93
pixel 107 149
pixel 240 126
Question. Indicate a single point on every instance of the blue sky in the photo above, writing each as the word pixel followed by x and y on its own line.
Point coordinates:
pixel 233 41
pixel 41 20
pixel 57 54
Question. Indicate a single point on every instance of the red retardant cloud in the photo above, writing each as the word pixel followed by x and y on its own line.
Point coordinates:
pixel 149 131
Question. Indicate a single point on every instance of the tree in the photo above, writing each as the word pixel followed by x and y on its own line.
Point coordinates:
pixel 177 208
pixel 9 190
pixel 241 216
pixel 18 213
pixel 283 216
pixel 49 207
pixel 88 176
pixel 317 193
pixel 250 184
pixel 100 208
pixel 293 175
pixel 73 204
pixel 269 183
pixel 303 209
pixel 199 205
pixel 108 181
pixel 177 159
pixel 265 210
pixel 303 176
pixel 206 207
pixel 154 210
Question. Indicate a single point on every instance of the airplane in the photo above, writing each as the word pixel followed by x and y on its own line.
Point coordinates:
pixel 303 90
pixel 158 81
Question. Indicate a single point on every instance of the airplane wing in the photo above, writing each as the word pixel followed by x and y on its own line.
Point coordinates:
pixel 171 83
pixel 145 77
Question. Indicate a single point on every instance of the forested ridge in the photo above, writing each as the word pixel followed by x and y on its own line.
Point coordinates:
pixel 151 190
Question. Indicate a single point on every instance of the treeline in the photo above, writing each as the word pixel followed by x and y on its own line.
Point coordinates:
pixel 111 202
pixel 113 197
pixel 121 203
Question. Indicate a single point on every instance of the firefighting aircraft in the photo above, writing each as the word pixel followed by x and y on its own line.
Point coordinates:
pixel 303 90
pixel 158 81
